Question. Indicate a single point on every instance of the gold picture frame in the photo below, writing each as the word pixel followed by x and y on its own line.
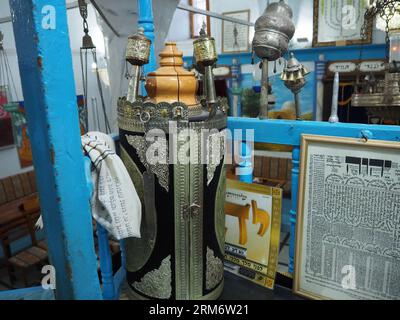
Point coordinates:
pixel 355 28
pixel 228 39
pixel 318 284
pixel 257 234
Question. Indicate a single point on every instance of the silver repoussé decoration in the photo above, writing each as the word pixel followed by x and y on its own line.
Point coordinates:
pixel 157 283
pixel 161 170
pixel 215 270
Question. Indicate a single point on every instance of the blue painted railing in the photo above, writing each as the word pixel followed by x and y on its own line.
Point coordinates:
pixel 371 51
pixel 288 132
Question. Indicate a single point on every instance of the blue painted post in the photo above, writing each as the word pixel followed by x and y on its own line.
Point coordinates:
pixel 245 169
pixel 146 20
pixel 45 63
pixel 293 211
pixel 105 264
pixel 104 245
pixel 120 275
pixel 236 89
pixel 123 256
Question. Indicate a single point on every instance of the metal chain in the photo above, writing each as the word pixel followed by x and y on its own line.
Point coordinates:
pixel 84 14
pixel 387 13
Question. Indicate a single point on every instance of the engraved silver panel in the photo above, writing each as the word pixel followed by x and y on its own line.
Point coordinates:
pixel 196 216
pixel 138 250
pixel 157 283
pixel 182 235
pixel 214 270
pixel 219 218
pixel 135 125
pixel 161 170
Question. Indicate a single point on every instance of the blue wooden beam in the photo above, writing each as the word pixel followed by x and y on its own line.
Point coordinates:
pixel 45 63
pixel 371 51
pixel 288 132
pixel 146 20
pixel 293 209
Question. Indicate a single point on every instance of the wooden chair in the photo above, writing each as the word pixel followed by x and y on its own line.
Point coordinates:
pixel 32 257
pixel 19 210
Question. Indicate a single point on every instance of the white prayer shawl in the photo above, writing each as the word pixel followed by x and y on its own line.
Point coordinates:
pixel 115 203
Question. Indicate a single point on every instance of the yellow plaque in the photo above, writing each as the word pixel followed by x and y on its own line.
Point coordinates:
pixel 252 231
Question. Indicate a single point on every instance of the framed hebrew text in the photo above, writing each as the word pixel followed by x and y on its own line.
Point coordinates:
pixel 348 219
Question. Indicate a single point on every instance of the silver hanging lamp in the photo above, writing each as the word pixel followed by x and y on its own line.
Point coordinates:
pixel 273 31
pixel 293 77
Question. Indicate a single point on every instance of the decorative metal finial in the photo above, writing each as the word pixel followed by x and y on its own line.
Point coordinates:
pixel 203 32
pixel 293 77
pixel 205 55
pixel 335 97
pixel 137 54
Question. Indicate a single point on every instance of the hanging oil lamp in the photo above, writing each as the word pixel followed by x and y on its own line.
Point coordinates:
pixel 273 31
pixel 293 76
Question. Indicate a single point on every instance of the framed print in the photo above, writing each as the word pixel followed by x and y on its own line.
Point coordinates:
pixel 252 231
pixel 235 37
pixel 197 21
pixel 348 219
pixel 339 23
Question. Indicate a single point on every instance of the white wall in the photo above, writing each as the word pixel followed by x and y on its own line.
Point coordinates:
pixel 8 157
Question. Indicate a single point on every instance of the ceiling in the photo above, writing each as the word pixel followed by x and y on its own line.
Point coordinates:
pixel 122 15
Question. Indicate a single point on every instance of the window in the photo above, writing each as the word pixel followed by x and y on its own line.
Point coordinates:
pixel 198 20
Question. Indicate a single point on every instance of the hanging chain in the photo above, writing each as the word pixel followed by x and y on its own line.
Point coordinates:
pixel 385 9
pixel 1 40
pixel 84 14
pixel 387 13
